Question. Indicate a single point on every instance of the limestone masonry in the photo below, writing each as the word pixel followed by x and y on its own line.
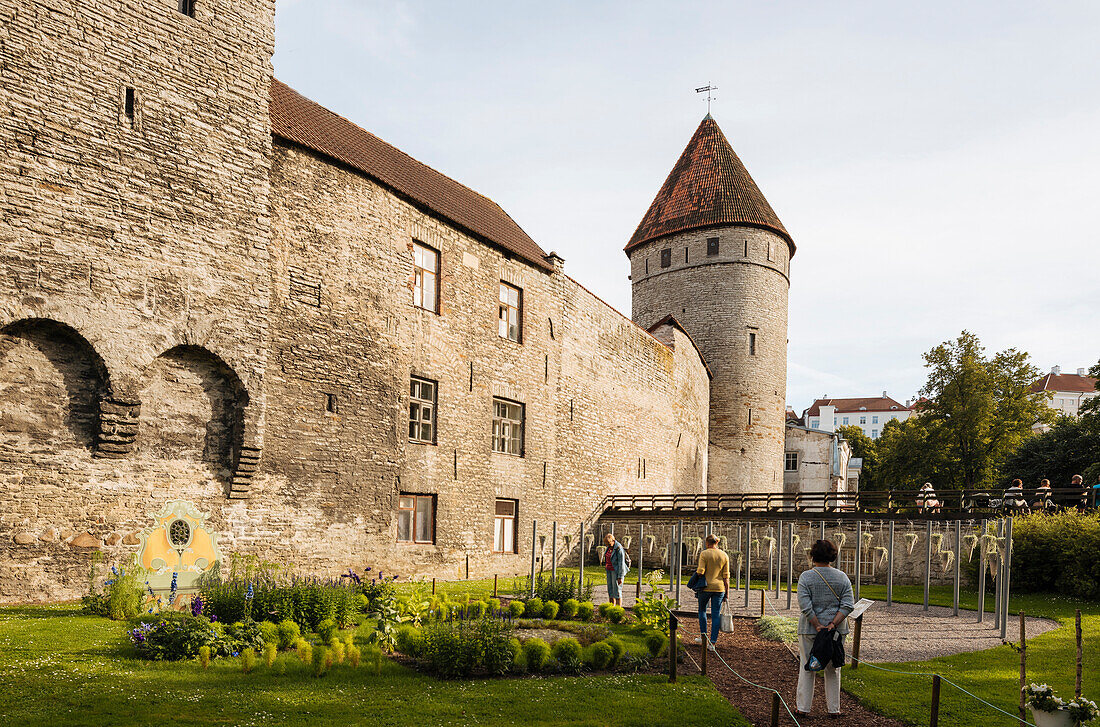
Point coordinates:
pixel 214 290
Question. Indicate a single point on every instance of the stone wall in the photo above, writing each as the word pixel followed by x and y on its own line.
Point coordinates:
pixel 722 300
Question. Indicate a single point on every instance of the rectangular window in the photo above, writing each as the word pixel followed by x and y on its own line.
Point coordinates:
pixel 863 420
pixel 874 434
pixel 330 404
pixel 746 248
pixel 790 463
pixel 666 258
pixel 187 7
pixel 425 277
pixel 712 246
pixel 769 249
pixel 422 401
pixel 130 105
pixel 510 325
pixel 752 344
pixel 415 518
pixel 504 526
pixel 847 563
pixel 508 426
pixel 845 420
pixel 874 420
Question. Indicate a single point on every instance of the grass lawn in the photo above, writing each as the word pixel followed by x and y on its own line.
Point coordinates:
pixel 58 667
pixel 993 674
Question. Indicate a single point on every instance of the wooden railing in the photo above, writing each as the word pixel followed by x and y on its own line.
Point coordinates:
pixel 939 504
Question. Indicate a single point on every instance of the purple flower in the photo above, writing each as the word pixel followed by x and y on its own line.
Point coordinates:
pixel 213 617
pixel 196 606
pixel 368 569
pixel 395 578
pixel 114 570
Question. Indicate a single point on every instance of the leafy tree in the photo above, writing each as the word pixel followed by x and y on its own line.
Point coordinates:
pixel 909 455
pixel 979 409
pixel 862 446
pixel 1070 447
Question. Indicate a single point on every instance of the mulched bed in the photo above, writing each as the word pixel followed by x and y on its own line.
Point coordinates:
pixel 769 664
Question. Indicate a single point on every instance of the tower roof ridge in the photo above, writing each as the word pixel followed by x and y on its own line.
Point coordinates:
pixel 709 186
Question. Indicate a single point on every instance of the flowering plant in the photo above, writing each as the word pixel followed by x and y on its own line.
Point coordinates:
pixel 1042 698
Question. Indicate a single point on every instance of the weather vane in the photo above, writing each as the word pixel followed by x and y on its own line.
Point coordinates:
pixel 707 89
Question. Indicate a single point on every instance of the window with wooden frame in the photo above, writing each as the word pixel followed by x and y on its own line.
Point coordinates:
pixel 415 518
pixel 510 323
pixel 425 277
pixel 422 410
pixel 790 463
pixel 508 419
pixel 846 561
pixel 712 246
pixel 504 526
pixel 666 258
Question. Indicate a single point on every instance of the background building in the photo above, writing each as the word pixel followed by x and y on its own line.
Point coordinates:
pixel 1067 391
pixel 868 413
pixel 816 460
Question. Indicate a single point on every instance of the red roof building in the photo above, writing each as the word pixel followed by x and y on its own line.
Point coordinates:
pixel 869 413
pixel 1067 391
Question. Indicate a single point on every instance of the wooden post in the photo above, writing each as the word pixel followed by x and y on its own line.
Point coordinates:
pixel 467 566
pixel 934 718
pixel 763 594
pixel 859 554
pixel 704 639
pixel 673 624
pixel 1077 619
pixel 775 709
pixel 433 586
pixel 855 641
pixel 554 551
pixel 494 585
pixel 958 560
pixel 1023 667
pixel 584 552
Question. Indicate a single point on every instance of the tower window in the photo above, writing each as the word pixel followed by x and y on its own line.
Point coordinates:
pixel 187 7
pixel 746 248
pixel 770 253
pixel 331 405
pixel 647 266
pixel 752 344
pixel 666 258
pixel 712 246
pixel 685 254
pixel 130 105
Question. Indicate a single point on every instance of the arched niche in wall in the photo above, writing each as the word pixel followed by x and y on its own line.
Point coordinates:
pixel 51 383
pixel 192 408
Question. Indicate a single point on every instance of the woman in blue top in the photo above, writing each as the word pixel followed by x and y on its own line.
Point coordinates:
pixel 615 563
pixel 825 598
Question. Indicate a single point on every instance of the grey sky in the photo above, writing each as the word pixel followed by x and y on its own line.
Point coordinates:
pixel 938 163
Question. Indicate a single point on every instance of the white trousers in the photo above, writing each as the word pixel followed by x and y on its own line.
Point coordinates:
pixel 804 698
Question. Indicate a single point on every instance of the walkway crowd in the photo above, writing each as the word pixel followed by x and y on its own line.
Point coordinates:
pixel 1017 500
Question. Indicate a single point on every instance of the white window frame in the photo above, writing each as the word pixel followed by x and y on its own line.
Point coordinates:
pixel 504 526
pixel 510 312
pixel 787 461
pixel 418 403
pixel 426 278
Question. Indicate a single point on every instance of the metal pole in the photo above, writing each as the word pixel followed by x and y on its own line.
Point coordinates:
pixel 779 559
pixel 742 558
pixel 790 562
pixel 671 557
pixel 958 556
pixel 1007 576
pixel 822 530
pixel 534 547
pixel 584 553
pixel 771 570
pixel 859 553
pixel 981 571
pixel 679 560
pixel 998 581
pixel 748 560
pixel 641 554
pixel 890 567
pixel 554 551
pixel 927 560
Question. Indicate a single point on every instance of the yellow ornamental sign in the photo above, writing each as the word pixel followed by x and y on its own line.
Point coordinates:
pixel 178 543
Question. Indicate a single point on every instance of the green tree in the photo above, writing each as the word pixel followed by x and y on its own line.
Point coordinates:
pixel 863 446
pixel 979 409
pixel 909 455
pixel 1070 447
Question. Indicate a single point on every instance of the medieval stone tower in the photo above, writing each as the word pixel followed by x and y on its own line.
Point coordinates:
pixel 712 254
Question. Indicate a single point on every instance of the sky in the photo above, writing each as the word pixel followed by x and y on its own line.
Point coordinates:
pixel 937 163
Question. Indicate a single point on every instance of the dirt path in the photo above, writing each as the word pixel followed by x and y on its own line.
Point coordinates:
pixel 769 664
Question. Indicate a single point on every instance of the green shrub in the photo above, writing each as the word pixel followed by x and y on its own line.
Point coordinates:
pixel 336 648
pixel 536 653
pixel 174 638
pixel 618 648
pixel 604 608
pixel 279 667
pixel 241 636
pixel 320 661
pixel 362 603
pixel 1056 553
pixel 569 608
pixel 519 659
pixel 459 648
pixel 657 643
pixel 353 656
pixel 269 632
pixel 305 651
pixel 289 633
pixel 409 640
pixel 516 609
pixel 477 609
pixel 248 660
pixel 586 611
pixel 561 588
pixel 204 656
pixel 568 653
pixel 778 628
pixel 602 655
pixel 550 610
pixel 270 653
pixel 125 592
pixel 494 606
pixel 616 614
pixel 326 630
pixel 533 609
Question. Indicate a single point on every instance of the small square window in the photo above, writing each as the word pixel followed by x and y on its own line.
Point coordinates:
pixel 415 518
pixel 874 420
pixel 666 258
pixel 790 461
pixel 712 246
pixel 863 420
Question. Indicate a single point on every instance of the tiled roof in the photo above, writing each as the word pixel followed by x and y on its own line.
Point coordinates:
pixel 299 120
pixel 709 186
pixel 849 406
pixel 1066 382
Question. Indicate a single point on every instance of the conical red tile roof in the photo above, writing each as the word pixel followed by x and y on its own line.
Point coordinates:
pixel 709 186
